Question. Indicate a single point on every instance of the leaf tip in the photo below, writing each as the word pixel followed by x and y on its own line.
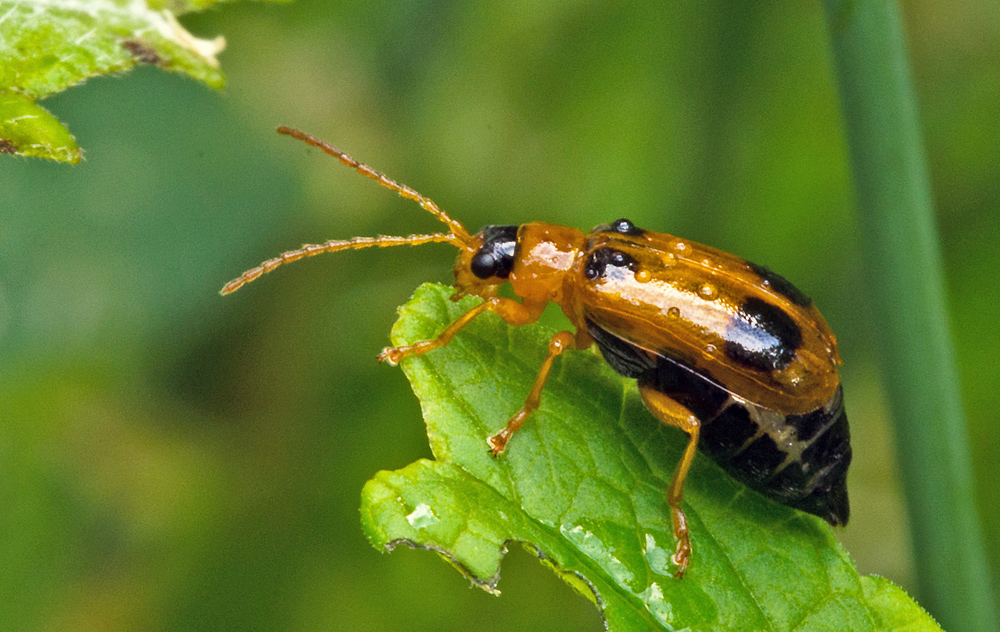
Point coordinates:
pixel 27 129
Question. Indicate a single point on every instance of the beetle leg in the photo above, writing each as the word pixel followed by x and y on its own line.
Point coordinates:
pixel 583 339
pixel 560 342
pixel 512 312
pixel 674 414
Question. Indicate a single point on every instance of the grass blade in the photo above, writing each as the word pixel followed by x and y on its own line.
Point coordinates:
pixel 904 261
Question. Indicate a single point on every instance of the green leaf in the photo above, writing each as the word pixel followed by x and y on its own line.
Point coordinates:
pixel 582 485
pixel 49 45
pixel 27 129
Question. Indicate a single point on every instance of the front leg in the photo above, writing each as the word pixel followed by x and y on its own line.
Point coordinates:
pixel 512 312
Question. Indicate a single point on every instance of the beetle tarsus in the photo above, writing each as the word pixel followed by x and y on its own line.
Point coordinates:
pixel 682 556
pixel 498 442
pixel 390 355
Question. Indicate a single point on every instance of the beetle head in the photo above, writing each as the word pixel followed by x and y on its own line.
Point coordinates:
pixel 486 261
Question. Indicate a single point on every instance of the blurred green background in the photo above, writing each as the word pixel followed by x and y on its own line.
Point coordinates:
pixel 173 460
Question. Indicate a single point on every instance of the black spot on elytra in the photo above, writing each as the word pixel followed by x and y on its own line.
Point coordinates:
pixel 604 262
pixel 621 226
pixel 762 336
pixel 495 258
pixel 625 227
pixel 781 285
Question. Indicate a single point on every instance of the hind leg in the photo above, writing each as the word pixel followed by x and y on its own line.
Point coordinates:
pixel 674 414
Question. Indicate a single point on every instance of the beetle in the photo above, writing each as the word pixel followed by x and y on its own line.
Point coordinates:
pixel 725 350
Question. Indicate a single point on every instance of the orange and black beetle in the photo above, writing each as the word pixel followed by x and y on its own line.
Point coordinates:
pixel 728 351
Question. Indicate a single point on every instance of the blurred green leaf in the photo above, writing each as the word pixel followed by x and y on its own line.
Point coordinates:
pixel 49 45
pixel 582 486
pixel 27 129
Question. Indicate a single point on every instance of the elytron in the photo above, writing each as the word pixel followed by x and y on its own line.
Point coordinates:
pixel 728 351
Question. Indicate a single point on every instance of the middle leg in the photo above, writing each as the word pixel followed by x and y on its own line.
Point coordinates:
pixel 560 342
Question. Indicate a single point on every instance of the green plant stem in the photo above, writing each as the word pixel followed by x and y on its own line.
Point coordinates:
pixel 901 244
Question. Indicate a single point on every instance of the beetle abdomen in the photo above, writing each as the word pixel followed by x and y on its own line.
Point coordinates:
pixel 799 460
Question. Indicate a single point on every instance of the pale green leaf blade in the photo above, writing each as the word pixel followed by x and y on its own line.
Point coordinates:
pixel 583 484
pixel 27 129
pixel 49 45
pixel 890 602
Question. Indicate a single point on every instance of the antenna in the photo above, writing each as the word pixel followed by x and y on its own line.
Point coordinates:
pixel 458 237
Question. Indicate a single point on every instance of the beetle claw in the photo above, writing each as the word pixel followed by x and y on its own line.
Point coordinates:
pixel 682 557
pixel 498 442
pixel 390 355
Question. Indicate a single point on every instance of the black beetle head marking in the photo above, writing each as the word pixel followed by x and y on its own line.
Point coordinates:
pixel 495 258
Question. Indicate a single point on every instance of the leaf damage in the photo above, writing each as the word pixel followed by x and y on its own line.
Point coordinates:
pixel 142 52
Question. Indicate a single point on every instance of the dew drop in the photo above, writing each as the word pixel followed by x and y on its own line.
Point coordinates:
pixel 792 375
pixel 707 291
pixel 643 276
pixel 674 312
pixel 681 247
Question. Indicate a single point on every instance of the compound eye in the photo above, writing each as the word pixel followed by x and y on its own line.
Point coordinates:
pixel 483 265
